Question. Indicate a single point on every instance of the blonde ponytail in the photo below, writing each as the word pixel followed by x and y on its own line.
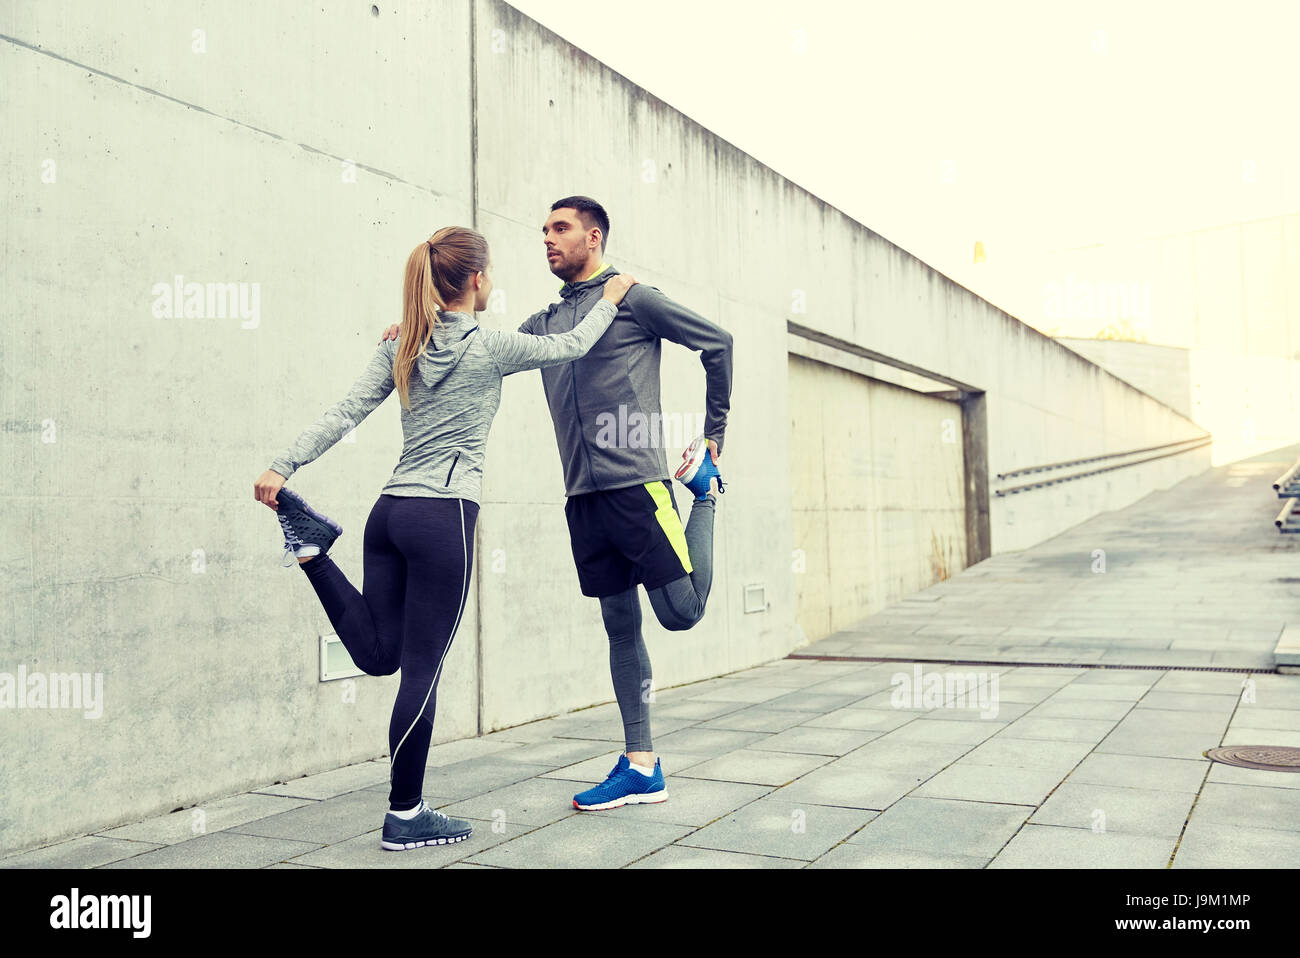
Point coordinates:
pixel 438 271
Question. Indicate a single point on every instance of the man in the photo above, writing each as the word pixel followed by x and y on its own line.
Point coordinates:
pixel 623 524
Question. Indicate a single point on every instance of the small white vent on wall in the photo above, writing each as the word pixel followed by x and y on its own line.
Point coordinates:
pixel 755 598
pixel 335 663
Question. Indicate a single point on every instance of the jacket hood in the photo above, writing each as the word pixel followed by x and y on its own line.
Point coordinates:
pixel 446 347
pixel 569 290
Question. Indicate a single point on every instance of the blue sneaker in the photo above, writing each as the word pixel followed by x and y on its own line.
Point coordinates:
pixel 624 786
pixel 698 469
pixel 306 531
pixel 430 827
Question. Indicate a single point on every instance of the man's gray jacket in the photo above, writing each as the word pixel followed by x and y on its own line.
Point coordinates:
pixel 605 405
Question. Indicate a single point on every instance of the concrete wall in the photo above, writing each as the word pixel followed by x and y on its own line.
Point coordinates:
pixel 1248 402
pixel 132 546
pixel 877 511
pixel 1160 371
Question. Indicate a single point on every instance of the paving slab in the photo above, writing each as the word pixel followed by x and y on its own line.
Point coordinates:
pixel 867 682
pixel 219 850
pixel 1060 729
pixel 1220 683
pixel 695 802
pixel 1283 719
pixel 364 851
pixel 707 741
pixel 470 777
pixel 206 818
pixel 1104 709
pixel 540 730
pixel 1133 811
pixel 1207 845
pixel 1162 720
pixel 759 718
pixel 1118 677
pixel 1244 735
pixel 1025 694
pixel 331 783
pixel 804 701
pixel 1236 775
pixel 1249 806
pixel 1141 771
pixel 556 752
pixel 698 709
pixel 1188 701
pixel 849 786
pixel 741 692
pixel 684 856
pixel 816 741
pixel 1051 846
pixel 884 754
pixel 325 822
pixel 89 851
pixel 997 710
pixel 969 829
pixel 592 771
pixel 1158 743
pixel 611 730
pixel 755 767
pixel 777 826
pixel 533 801
pixel 1009 785
pixel 449 753
pixel 889 856
pixel 1057 755
pixel 1128 692
pixel 583 841
pixel 885 700
pixel 958 731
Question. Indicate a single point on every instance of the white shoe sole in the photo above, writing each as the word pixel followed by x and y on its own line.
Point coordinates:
pixel 651 798
pixel 694 458
pixel 403 846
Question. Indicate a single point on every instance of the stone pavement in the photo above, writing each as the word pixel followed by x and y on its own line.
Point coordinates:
pixel 1080 747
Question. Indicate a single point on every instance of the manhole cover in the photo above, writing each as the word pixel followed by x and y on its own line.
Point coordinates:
pixel 1271 758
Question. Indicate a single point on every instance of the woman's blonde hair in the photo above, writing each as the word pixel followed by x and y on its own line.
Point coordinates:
pixel 438 271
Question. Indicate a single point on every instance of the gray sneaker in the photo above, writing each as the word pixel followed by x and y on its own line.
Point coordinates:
pixel 302 525
pixel 430 827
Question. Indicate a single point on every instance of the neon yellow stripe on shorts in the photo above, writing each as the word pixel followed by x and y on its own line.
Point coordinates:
pixel 670 523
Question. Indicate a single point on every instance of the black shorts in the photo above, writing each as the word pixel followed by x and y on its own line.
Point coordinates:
pixel 624 536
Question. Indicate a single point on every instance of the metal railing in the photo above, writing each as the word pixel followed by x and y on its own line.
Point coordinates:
pixel 1183 445
pixel 1287 486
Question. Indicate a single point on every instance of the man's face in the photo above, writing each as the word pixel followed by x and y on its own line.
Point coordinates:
pixel 569 244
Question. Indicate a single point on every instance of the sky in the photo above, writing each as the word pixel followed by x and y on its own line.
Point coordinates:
pixel 1032 127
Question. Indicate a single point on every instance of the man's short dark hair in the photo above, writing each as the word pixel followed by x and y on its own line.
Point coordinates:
pixel 589 211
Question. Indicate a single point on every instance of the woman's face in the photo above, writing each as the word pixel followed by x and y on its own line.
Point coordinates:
pixel 484 290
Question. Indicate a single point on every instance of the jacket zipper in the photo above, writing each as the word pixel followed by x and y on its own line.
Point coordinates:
pixel 451 470
pixel 582 435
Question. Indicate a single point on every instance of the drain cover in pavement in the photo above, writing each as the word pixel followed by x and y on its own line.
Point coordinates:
pixel 1271 758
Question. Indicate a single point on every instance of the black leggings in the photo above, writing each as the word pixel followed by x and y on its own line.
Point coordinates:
pixel 418 553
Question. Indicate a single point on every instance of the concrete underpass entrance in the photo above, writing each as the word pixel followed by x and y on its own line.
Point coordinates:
pixel 877 480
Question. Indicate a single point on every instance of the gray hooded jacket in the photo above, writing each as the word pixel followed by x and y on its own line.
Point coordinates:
pixel 605 405
pixel 455 391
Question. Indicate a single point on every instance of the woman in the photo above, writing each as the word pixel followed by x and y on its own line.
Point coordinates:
pixel 419 538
